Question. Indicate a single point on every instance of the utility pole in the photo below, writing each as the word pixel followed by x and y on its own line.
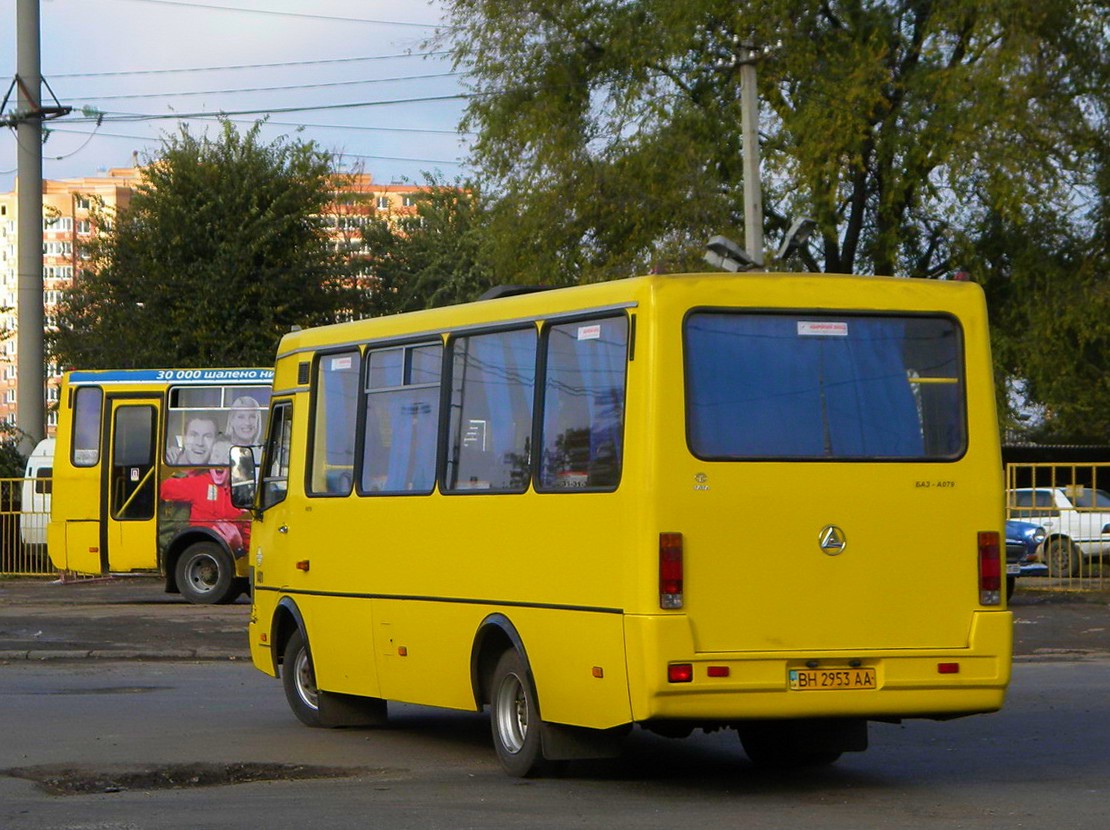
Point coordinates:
pixel 27 119
pixel 29 334
pixel 749 125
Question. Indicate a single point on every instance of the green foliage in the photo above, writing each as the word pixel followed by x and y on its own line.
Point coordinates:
pixel 434 258
pixel 221 250
pixel 12 461
pixel 612 129
pixel 913 131
pixel 1049 296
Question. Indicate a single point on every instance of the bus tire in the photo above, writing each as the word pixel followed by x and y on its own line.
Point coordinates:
pixel 299 679
pixel 515 716
pixel 206 575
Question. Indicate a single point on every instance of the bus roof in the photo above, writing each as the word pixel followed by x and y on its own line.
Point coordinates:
pixel 773 289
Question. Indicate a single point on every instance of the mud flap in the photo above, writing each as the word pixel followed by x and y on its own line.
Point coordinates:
pixel 350 710
pixel 574 743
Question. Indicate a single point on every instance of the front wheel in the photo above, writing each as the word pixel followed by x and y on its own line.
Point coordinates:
pixel 206 575
pixel 515 717
pixel 299 679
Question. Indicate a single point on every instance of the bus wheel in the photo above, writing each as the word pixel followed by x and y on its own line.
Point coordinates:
pixel 205 575
pixel 1062 557
pixel 515 717
pixel 299 679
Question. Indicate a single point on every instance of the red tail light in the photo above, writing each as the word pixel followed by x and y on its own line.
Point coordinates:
pixel 990 568
pixel 670 570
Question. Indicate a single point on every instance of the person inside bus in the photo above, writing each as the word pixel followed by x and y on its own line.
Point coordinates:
pixel 244 422
pixel 196 443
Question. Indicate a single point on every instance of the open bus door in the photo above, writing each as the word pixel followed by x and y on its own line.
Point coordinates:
pixel 129 532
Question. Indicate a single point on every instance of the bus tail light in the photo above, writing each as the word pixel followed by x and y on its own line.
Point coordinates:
pixel 680 672
pixel 990 568
pixel 670 570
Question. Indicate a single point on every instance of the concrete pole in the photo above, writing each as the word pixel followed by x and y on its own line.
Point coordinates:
pixel 749 124
pixel 29 309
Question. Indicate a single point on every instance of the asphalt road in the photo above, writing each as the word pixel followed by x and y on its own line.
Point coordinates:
pixel 122 707
pixel 133 618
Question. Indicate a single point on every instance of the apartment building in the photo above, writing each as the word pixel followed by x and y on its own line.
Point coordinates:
pixel 67 222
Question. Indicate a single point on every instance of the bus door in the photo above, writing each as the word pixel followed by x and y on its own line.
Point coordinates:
pixel 129 539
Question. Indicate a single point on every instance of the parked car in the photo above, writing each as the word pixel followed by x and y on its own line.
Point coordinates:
pixel 1076 519
pixel 1023 552
pixel 35 501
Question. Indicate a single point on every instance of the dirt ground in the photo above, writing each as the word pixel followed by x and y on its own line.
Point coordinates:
pixel 133 618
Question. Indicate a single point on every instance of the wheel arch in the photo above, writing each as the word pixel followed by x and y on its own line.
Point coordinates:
pixel 286 620
pixel 495 635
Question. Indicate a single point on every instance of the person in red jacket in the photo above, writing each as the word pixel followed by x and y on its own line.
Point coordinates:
pixel 208 495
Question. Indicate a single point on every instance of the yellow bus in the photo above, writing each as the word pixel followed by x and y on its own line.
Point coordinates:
pixel 140 475
pixel 771 503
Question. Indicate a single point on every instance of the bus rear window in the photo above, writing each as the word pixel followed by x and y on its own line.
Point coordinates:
pixel 821 386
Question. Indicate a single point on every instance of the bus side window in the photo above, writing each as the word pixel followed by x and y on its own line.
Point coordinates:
pixel 334 417
pixel 402 419
pixel 492 384
pixel 583 417
pixel 87 405
pixel 275 471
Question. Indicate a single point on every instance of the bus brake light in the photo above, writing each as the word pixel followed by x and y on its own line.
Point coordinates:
pixel 990 568
pixel 670 570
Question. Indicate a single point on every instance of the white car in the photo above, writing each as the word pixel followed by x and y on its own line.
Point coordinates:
pixel 1077 520
pixel 35 501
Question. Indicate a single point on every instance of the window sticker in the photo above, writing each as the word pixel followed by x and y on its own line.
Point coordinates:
pixel 338 364
pixel 589 332
pixel 809 328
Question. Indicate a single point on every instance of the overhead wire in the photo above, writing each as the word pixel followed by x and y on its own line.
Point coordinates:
pixel 276 13
pixel 284 88
pixel 236 67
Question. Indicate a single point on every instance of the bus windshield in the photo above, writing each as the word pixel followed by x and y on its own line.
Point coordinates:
pixel 819 386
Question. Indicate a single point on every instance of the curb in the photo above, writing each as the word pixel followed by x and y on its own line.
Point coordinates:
pixel 39 655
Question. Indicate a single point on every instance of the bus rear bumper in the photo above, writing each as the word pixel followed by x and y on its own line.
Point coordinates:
pixel 725 687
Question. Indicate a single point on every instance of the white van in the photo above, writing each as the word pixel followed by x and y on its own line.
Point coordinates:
pixel 37 486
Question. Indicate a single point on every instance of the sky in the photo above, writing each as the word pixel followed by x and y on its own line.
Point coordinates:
pixel 385 102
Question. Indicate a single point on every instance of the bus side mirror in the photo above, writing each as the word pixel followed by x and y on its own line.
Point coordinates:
pixel 244 477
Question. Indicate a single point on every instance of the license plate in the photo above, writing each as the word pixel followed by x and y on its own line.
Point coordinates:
pixel 1013 570
pixel 816 680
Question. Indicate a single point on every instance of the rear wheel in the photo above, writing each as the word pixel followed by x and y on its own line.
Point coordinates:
pixel 299 679
pixel 515 717
pixel 206 575
pixel 1063 557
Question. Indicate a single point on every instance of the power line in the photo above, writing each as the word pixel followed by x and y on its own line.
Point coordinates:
pixel 284 88
pixel 131 117
pixel 274 13
pixel 232 67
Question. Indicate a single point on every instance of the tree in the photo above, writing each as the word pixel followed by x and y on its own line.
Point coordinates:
pixel 923 136
pixel 611 130
pixel 435 258
pixel 222 249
